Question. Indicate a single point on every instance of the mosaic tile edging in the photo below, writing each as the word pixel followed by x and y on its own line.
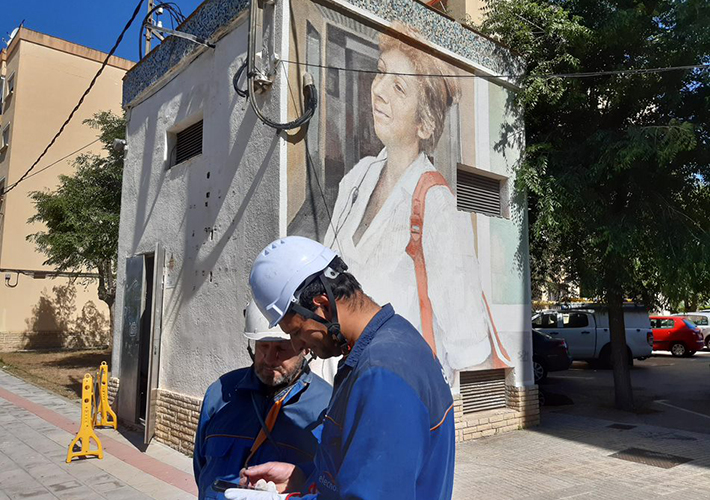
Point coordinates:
pixel 446 33
pixel 204 22
pixel 213 14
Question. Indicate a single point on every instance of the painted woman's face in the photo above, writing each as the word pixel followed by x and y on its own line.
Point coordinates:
pixel 395 101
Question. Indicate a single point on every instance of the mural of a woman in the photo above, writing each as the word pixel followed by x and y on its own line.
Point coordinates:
pixel 372 224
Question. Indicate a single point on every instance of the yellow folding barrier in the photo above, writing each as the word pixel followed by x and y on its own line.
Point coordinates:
pixel 86 429
pixel 104 411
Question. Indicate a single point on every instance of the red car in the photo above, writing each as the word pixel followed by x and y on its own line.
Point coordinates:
pixel 676 334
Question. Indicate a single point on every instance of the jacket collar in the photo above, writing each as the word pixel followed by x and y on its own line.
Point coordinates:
pixel 368 334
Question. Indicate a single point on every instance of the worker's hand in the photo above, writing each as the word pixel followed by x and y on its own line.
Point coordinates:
pixel 244 494
pixel 287 477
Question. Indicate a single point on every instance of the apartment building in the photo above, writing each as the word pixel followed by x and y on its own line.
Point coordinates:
pixel 42 79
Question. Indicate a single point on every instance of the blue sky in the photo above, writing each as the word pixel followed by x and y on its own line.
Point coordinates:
pixel 95 24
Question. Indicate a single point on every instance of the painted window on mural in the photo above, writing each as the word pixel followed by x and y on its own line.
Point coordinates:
pixel 394 122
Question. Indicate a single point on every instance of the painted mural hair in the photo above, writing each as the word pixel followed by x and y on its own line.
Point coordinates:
pixel 344 286
pixel 439 92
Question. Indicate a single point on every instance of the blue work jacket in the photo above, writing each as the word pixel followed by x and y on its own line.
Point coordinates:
pixel 229 425
pixel 389 429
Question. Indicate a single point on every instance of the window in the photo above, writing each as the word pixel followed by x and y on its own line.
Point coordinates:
pixel 8 91
pixel 478 193
pixel 667 323
pixel 699 320
pixel 545 320
pixel 2 195
pixel 2 91
pixel 188 143
pixel 5 137
pixel 575 320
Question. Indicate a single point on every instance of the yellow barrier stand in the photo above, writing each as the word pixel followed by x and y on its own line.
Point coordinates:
pixel 104 411
pixel 86 430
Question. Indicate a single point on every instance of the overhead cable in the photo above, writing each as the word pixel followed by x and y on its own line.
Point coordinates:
pixel 81 100
pixel 309 89
pixel 632 71
pixel 62 158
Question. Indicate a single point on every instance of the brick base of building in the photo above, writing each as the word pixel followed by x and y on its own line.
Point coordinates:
pixel 31 341
pixel 177 416
pixel 176 420
pixel 522 411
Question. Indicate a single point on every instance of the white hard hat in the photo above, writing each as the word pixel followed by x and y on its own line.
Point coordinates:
pixel 281 268
pixel 256 327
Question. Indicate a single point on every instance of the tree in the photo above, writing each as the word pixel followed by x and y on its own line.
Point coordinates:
pixel 81 216
pixel 616 166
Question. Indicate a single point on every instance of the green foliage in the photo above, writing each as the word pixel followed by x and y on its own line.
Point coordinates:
pixel 81 216
pixel 616 165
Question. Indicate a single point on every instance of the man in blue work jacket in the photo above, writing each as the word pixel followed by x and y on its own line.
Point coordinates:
pixel 268 411
pixel 388 432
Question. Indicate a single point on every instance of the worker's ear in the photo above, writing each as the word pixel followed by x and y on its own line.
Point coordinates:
pixel 322 306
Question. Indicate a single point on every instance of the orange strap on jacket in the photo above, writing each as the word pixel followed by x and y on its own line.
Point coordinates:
pixel 270 422
pixel 415 250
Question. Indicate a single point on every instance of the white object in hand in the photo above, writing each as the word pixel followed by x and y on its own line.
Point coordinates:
pixel 246 494
pixel 262 485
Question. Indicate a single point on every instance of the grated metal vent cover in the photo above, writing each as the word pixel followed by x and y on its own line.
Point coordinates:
pixel 650 457
pixel 477 193
pixel 482 390
pixel 623 427
pixel 188 143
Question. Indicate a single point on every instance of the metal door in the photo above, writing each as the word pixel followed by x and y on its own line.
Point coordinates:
pixel 133 307
pixel 156 325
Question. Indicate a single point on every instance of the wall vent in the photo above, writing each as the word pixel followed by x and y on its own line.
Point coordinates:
pixel 477 193
pixel 188 143
pixel 483 390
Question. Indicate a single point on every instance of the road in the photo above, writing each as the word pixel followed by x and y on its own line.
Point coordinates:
pixel 668 392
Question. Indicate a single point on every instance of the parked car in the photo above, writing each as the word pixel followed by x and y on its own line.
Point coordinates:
pixel 587 332
pixel 549 355
pixel 676 334
pixel 702 321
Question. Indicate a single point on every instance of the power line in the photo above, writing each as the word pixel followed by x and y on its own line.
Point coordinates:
pixel 547 76
pixel 81 100
pixel 62 158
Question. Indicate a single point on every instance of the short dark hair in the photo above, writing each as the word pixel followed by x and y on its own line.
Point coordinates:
pixel 343 286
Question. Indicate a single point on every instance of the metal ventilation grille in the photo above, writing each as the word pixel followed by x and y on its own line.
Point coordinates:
pixel 476 193
pixel 483 390
pixel 188 143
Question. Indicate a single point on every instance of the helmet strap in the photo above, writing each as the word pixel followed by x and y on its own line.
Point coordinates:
pixel 333 325
pixel 250 350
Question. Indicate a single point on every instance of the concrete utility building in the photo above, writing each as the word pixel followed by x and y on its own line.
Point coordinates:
pixel 42 79
pixel 207 184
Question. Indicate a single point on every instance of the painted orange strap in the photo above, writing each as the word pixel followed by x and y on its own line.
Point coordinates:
pixel 270 422
pixel 415 250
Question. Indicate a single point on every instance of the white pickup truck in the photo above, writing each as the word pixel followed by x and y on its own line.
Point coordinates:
pixel 586 332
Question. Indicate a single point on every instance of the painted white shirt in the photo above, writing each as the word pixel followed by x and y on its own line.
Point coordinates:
pixel 380 262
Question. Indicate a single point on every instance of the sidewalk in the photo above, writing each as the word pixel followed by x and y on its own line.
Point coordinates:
pixel 566 457
pixel 36 428
pixel 569 457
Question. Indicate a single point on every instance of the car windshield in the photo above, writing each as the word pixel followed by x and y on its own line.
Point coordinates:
pixel 689 324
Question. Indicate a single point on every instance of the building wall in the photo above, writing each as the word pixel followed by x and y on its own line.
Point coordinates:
pixel 216 211
pixel 476 264
pixel 212 214
pixel 467 10
pixel 50 76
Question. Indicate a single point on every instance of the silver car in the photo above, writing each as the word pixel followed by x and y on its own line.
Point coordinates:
pixel 702 321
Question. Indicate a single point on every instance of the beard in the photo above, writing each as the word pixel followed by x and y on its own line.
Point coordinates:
pixel 278 376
